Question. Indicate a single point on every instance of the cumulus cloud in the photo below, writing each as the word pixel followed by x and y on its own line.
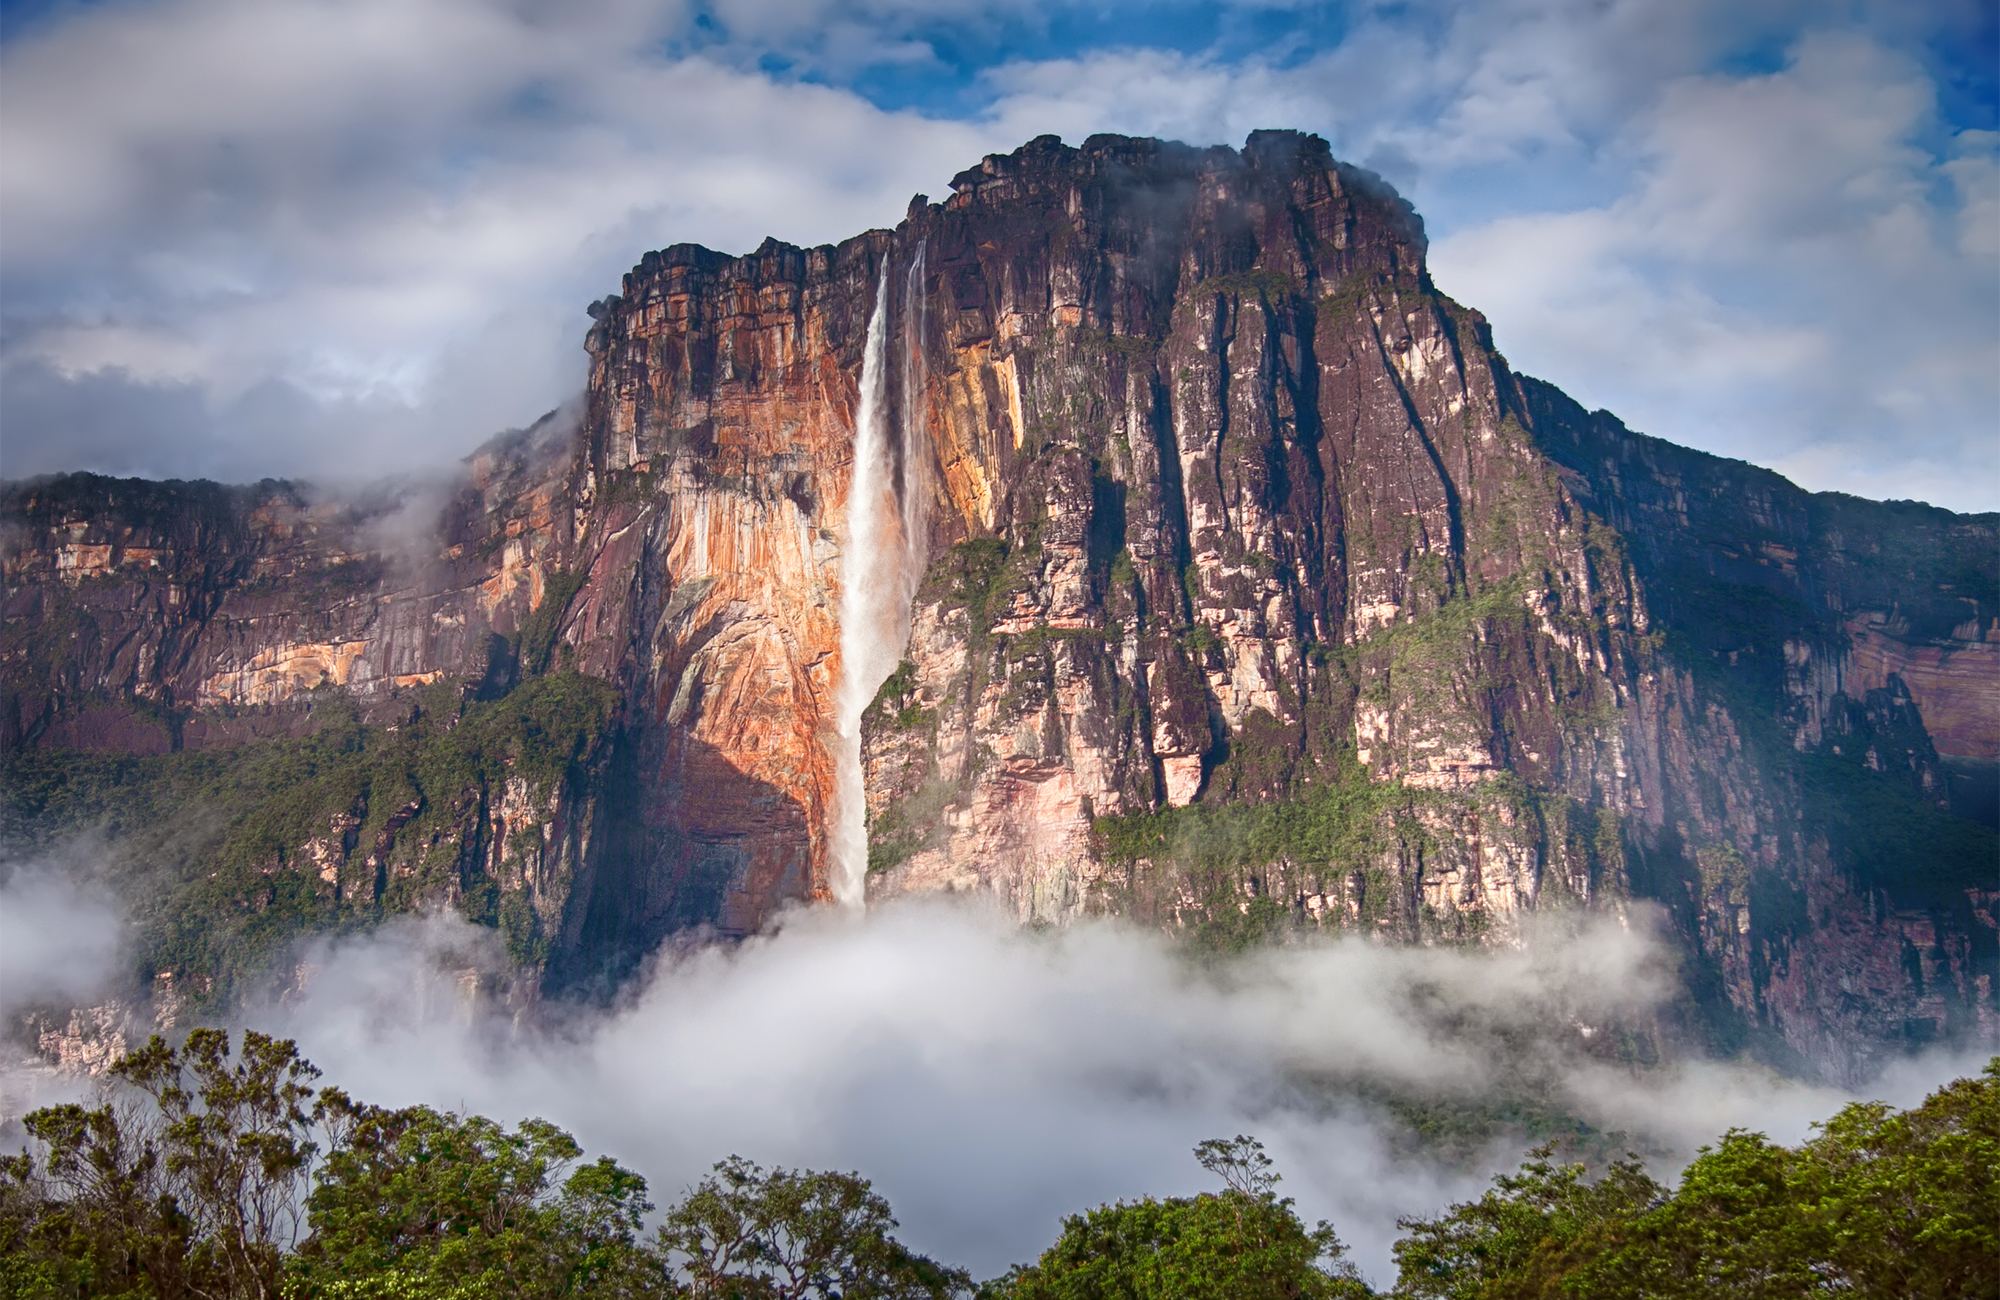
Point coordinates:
pixel 363 235
pixel 991 1080
pixel 282 237
pixel 1792 280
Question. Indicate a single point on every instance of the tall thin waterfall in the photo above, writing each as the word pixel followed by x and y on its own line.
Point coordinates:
pixel 882 561
pixel 874 600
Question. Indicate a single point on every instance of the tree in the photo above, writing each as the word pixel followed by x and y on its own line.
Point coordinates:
pixel 426 1204
pixel 86 1215
pixel 1911 1201
pixel 235 1133
pixel 1241 1244
pixel 1526 1237
pixel 1240 1163
pixel 1880 1203
pixel 745 1233
pixel 222 1175
pixel 193 1191
pixel 203 1178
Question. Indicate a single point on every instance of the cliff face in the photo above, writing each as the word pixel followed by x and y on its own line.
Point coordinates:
pixel 1260 595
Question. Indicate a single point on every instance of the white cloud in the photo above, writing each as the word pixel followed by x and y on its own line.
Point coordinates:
pixel 389 215
pixel 1791 279
pixel 991 1080
pixel 1779 267
pixel 1975 173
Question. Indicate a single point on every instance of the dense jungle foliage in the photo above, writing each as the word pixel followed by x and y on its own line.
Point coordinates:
pixel 219 1172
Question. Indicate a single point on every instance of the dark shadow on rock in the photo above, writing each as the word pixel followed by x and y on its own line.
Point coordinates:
pixel 685 843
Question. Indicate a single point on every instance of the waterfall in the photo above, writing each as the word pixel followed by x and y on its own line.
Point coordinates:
pixel 867 587
pixel 882 562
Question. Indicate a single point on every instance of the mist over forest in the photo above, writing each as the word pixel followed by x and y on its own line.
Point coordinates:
pixel 989 1081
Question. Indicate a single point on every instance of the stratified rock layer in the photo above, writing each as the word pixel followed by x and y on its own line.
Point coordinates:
pixel 1229 508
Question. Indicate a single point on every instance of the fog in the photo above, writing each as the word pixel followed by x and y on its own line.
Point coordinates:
pixel 399 516
pixel 991 1079
pixel 60 936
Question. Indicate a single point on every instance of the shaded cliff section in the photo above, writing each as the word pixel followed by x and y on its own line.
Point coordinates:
pixel 266 715
pixel 1264 598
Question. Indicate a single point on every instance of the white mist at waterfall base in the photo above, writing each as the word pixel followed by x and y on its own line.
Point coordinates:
pixel 880 563
pixel 990 1080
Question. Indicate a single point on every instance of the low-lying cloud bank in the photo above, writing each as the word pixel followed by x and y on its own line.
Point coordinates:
pixel 991 1080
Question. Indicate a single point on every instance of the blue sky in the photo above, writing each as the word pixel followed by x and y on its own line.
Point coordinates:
pixel 348 238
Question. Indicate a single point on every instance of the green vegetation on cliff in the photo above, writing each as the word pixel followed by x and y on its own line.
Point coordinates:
pixel 1888 838
pixel 1340 823
pixel 1209 851
pixel 226 856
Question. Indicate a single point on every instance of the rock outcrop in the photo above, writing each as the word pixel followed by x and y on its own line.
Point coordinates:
pixel 1261 589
